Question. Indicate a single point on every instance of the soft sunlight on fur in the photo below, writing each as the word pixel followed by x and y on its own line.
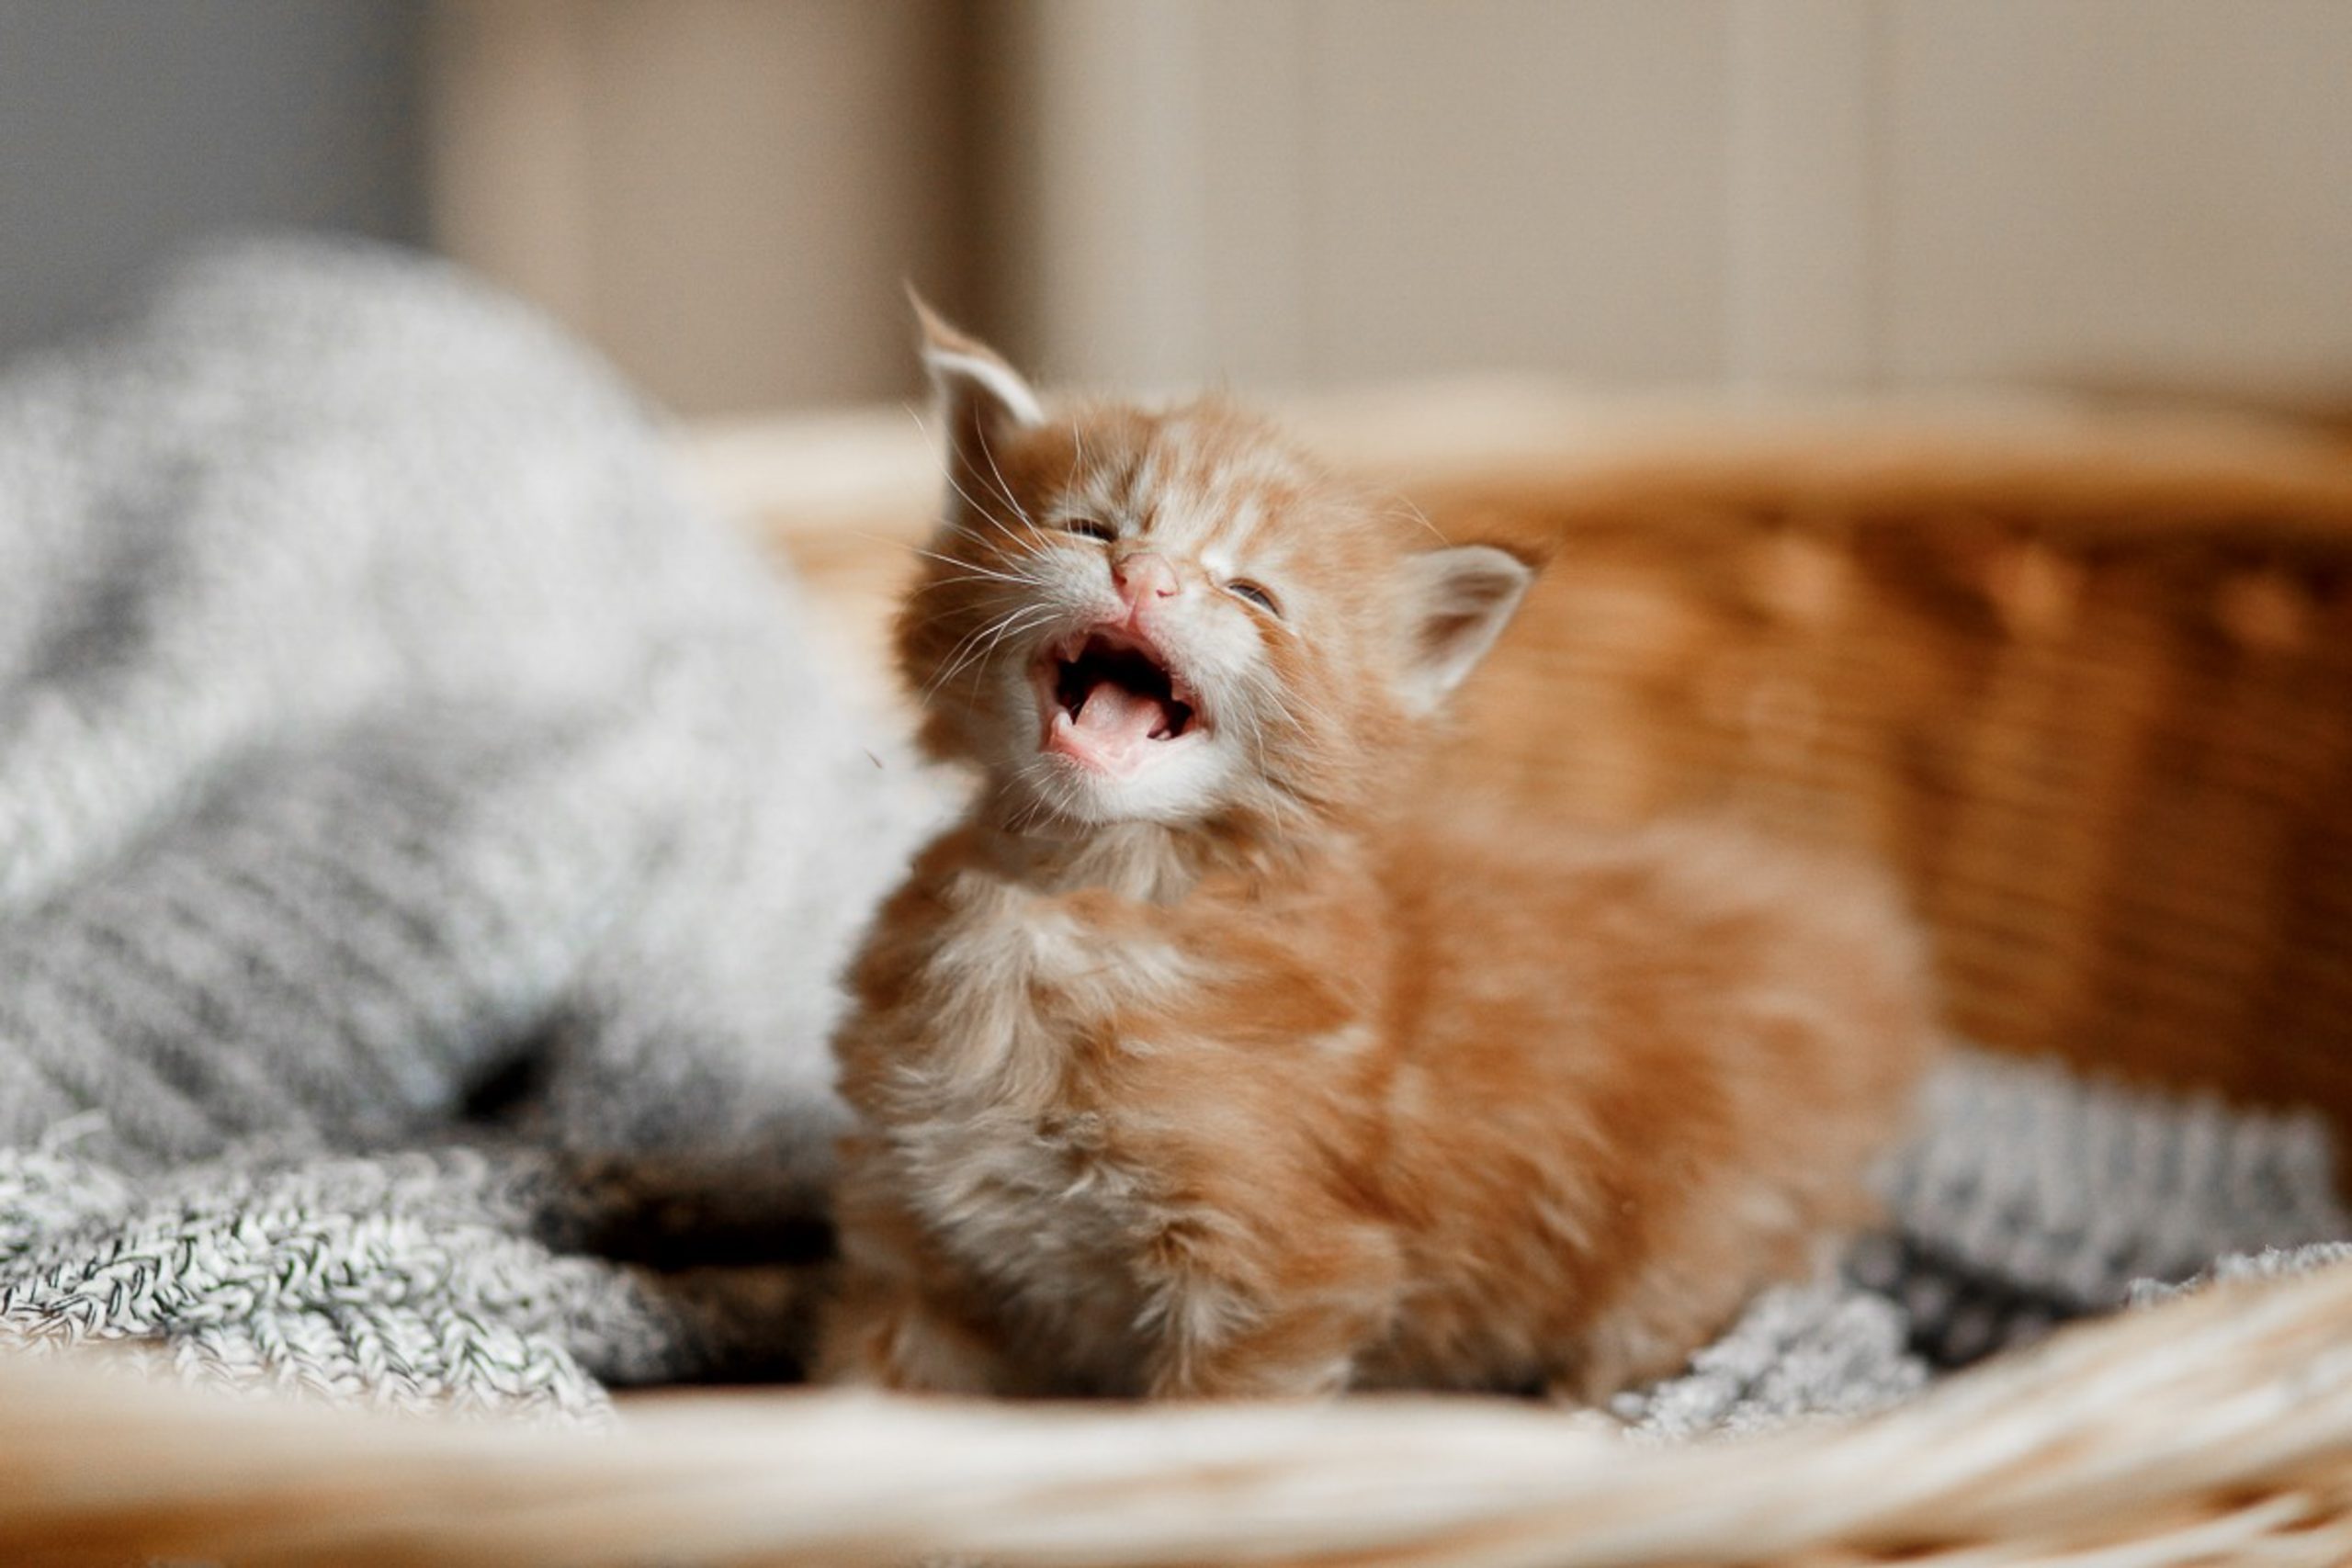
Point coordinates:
pixel 1207 1058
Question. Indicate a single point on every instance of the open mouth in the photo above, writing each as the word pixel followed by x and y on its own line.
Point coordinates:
pixel 1112 703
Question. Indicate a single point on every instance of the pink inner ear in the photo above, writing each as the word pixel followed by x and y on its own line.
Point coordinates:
pixel 1447 631
pixel 1462 599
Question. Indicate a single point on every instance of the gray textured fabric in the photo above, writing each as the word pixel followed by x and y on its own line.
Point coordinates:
pixel 424 844
pixel 2028 1197
pixel 379 724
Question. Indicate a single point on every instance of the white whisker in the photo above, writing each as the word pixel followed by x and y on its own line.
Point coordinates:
pixel 1018 579
pixel 977 645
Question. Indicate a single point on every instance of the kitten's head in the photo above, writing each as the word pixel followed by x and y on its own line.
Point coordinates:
pixel 1173 617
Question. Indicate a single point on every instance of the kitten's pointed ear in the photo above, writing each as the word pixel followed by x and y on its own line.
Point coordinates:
pixel 1458 602
pixel 979 396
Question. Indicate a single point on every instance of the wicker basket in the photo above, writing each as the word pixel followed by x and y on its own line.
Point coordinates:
pixel 2093 695
pixel 2087 681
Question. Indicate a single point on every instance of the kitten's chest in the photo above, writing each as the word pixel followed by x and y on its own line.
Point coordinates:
pixel 1019 999
pixel 1022 1071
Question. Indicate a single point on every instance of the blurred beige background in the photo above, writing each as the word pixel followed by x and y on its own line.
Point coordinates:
pixel 726 194
pixel 2147 194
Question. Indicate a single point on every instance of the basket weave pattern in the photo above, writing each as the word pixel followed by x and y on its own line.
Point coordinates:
pixel 2098 712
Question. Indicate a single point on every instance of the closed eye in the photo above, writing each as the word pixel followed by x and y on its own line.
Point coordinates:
pixel 1092 529
pixel 1242 588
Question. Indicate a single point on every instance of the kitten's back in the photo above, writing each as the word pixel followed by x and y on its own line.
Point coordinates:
pixel 1637 1077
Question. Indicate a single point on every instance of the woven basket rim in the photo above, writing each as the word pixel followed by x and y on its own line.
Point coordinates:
pixel 2101 479
pixel 2221 1418
pixel 2086 468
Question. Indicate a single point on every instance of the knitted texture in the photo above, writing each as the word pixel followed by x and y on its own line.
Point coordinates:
pixel 2028 1198
pixel 425 848
pixel 381 730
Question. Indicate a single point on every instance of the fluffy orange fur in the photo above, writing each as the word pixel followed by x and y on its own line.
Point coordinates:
pixel 1207 1057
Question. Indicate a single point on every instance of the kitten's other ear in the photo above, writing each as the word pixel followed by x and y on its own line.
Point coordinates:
pixel 979 396
pixel 1458 602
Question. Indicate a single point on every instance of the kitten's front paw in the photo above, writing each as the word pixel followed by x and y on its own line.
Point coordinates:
pixel 904 1347
pixel 1243 1371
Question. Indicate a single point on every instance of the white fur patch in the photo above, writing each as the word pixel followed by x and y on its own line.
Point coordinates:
pixel 1001 383
pixel 1016 1180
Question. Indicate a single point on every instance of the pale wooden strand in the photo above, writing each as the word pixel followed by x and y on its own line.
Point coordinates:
pixel 2217 1424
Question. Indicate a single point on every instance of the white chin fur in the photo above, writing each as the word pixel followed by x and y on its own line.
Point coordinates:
pixel 1178 787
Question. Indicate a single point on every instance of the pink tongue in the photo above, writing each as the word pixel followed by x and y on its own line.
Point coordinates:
pixel 1110 709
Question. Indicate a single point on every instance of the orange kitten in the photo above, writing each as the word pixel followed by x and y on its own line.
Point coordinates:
pixel 1204 1059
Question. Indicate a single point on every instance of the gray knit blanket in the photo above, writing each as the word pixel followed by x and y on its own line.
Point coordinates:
pixel 427 846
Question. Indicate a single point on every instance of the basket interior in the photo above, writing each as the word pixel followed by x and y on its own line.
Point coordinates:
pixel 2092 696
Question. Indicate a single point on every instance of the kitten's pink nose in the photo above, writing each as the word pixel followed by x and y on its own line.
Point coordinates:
pixel 1146 576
